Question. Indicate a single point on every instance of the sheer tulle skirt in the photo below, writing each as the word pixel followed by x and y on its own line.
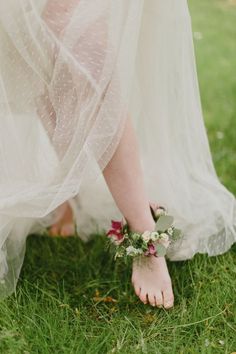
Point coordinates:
pixel 70 73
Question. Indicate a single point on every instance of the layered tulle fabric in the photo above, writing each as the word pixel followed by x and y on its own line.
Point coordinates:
pixel 70 73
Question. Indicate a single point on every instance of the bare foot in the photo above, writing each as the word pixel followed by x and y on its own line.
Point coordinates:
pixel 65 226
pixel 150 275
pixel 151 281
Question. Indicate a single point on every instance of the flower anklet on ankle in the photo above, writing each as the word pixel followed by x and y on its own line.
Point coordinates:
pixel 125 243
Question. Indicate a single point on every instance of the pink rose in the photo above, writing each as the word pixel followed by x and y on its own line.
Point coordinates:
pixel 151 250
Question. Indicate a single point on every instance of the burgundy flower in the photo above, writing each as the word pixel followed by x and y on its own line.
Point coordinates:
pixel 116 232
pixel 117 225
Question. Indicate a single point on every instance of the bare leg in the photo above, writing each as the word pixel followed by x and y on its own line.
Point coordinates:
pixel 124 178
pixel 56 15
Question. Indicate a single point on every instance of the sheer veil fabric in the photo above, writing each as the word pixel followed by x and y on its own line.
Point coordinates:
pixel 70 73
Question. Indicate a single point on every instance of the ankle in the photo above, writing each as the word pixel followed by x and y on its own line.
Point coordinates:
pixel 142 224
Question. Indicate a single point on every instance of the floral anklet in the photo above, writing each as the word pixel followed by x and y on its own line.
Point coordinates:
pixel 125 243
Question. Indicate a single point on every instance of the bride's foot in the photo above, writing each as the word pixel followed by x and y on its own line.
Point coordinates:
pixel 150 275
pixel 151 281
pixel 65 226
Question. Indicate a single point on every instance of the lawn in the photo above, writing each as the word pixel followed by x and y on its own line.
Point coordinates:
pixel 72 298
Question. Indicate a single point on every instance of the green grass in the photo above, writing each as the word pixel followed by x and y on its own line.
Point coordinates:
pixel 216 58
pixel 54 310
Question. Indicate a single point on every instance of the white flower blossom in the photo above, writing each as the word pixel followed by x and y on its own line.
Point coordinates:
pixel 160 212
pixel 133 251
pixel 146 236
pixel 118 254
pixel 170 231
pixel 164 236
pixel 154 236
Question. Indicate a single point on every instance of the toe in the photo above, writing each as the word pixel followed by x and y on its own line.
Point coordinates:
pixel 159 299
pixel 143 296
pixel 137 289
pixel 151 299
pixel 67 230
pixel 54 230
pixel 168 297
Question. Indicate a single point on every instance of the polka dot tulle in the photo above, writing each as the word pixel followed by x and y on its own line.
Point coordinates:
pixel 71 71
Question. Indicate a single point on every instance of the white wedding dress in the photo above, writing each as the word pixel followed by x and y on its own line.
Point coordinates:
pixel 70 72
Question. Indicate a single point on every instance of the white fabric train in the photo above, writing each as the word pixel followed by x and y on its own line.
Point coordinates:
pixel 70 72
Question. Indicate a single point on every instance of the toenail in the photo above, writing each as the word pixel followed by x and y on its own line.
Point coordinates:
pixel 168 304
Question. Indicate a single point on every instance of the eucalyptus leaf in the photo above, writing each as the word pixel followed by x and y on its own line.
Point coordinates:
pixel 164 222
pixel 176 234
pixel 161 250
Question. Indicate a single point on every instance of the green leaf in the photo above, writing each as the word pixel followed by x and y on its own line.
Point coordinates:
pixel 176 234
pixel 164 222
pixel 144 247
pixel 161 250
pixel 135 236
